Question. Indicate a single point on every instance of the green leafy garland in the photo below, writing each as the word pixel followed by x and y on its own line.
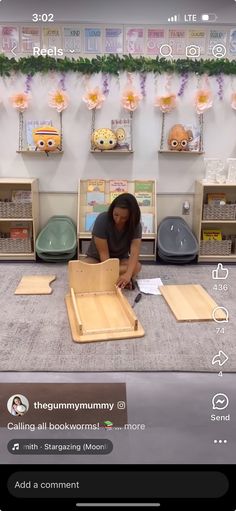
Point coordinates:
pixel 114 64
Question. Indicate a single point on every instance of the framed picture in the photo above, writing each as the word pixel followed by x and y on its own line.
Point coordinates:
pixel 231 176
pixel 214 171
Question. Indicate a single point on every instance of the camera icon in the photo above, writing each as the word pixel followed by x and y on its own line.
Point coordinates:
pixel 193 51
pixel 121 405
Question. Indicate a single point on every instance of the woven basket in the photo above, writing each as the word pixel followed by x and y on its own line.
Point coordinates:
pixel 17 246
pixel 215 247
pixel 224 212
pixel 15 210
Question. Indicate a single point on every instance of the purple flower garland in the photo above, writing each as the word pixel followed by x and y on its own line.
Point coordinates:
pixel 105 84
pixel 28 84
pixel 184 79
pixel 220 81
pixel 143 78
pixel 62 81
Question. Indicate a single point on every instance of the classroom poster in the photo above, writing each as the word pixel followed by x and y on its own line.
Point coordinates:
pixel 96 185
pixel 72 39
pixel 216 36
pixel 134 40
pixel 30 38
pixel 93 40
pixel 155 38
pixel 147 223
pixel 51 37
pixel 113 40
pixel 197 37
pixel 9 38
pixel 118 185
pixel 232 42
pixel 177 40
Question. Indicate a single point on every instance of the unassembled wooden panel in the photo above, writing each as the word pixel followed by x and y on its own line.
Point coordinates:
pixel 35 285
pixel 87 278
pixel 191 303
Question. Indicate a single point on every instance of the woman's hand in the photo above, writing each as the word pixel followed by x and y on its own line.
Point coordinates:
pixel 123 280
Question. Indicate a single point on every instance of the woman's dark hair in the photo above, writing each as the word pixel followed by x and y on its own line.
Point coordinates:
pixel 16 397
pixel 127 201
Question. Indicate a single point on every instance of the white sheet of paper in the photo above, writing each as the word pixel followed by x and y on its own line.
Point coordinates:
pixel 150 286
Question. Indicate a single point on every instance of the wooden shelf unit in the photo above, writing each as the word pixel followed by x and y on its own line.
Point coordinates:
pixel 7 186
pixel 107 151
pixel 148 247
pixel 167 151
pixel 227 227
pixel 26 151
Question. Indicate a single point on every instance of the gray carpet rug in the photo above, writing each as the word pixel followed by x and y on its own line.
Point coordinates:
pixel 35 333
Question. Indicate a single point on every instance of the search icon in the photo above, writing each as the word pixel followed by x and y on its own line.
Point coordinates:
pixel 166 50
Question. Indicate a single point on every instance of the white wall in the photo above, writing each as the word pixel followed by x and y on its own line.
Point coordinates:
pixel 60 173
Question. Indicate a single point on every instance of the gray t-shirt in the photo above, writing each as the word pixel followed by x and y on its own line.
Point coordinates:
pixel 118 241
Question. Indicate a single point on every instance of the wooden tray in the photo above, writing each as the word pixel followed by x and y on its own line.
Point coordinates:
pixel 191 303
pixel 97 309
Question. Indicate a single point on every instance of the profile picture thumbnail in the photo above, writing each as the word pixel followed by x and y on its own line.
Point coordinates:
pixel 18 405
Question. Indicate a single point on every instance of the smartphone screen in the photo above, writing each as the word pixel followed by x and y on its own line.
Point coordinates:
pixel 117 254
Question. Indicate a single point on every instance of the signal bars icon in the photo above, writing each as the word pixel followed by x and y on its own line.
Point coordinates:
pixel 174 18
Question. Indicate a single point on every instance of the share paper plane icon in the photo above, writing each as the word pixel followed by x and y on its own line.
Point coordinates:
pixel 220 358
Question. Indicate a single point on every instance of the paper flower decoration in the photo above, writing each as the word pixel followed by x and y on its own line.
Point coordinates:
pixel 166 103
pixel 94 98
pixel 58 99
pixel 203 100
pixel 20 101
pixel 131 99
pixel 233 100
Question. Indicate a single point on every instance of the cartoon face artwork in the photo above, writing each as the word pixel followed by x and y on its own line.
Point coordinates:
pixel 120 133
pixel 47 138
pixel 179 138
pixel 104 139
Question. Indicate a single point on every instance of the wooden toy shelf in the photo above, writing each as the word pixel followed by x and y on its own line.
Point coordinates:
pixel 222 217
pixel 18 214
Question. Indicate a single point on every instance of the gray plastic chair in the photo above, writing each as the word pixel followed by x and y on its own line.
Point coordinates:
pixel 175 241
pixel 175 237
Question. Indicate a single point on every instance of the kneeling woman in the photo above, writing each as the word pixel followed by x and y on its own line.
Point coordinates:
pixel 117 233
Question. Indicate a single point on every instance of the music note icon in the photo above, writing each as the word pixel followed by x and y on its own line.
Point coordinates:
pixel 16 447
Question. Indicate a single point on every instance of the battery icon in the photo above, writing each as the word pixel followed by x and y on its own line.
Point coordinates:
pixel 209 17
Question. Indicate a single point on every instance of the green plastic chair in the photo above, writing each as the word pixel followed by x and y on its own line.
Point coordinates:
pixel 57 258
pixel 57 240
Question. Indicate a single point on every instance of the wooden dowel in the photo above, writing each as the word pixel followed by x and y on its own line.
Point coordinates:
pixel 77 316
pixel 129 312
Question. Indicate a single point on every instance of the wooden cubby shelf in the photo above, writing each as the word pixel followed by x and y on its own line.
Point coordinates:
pixel 220 217
pixel 19 218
